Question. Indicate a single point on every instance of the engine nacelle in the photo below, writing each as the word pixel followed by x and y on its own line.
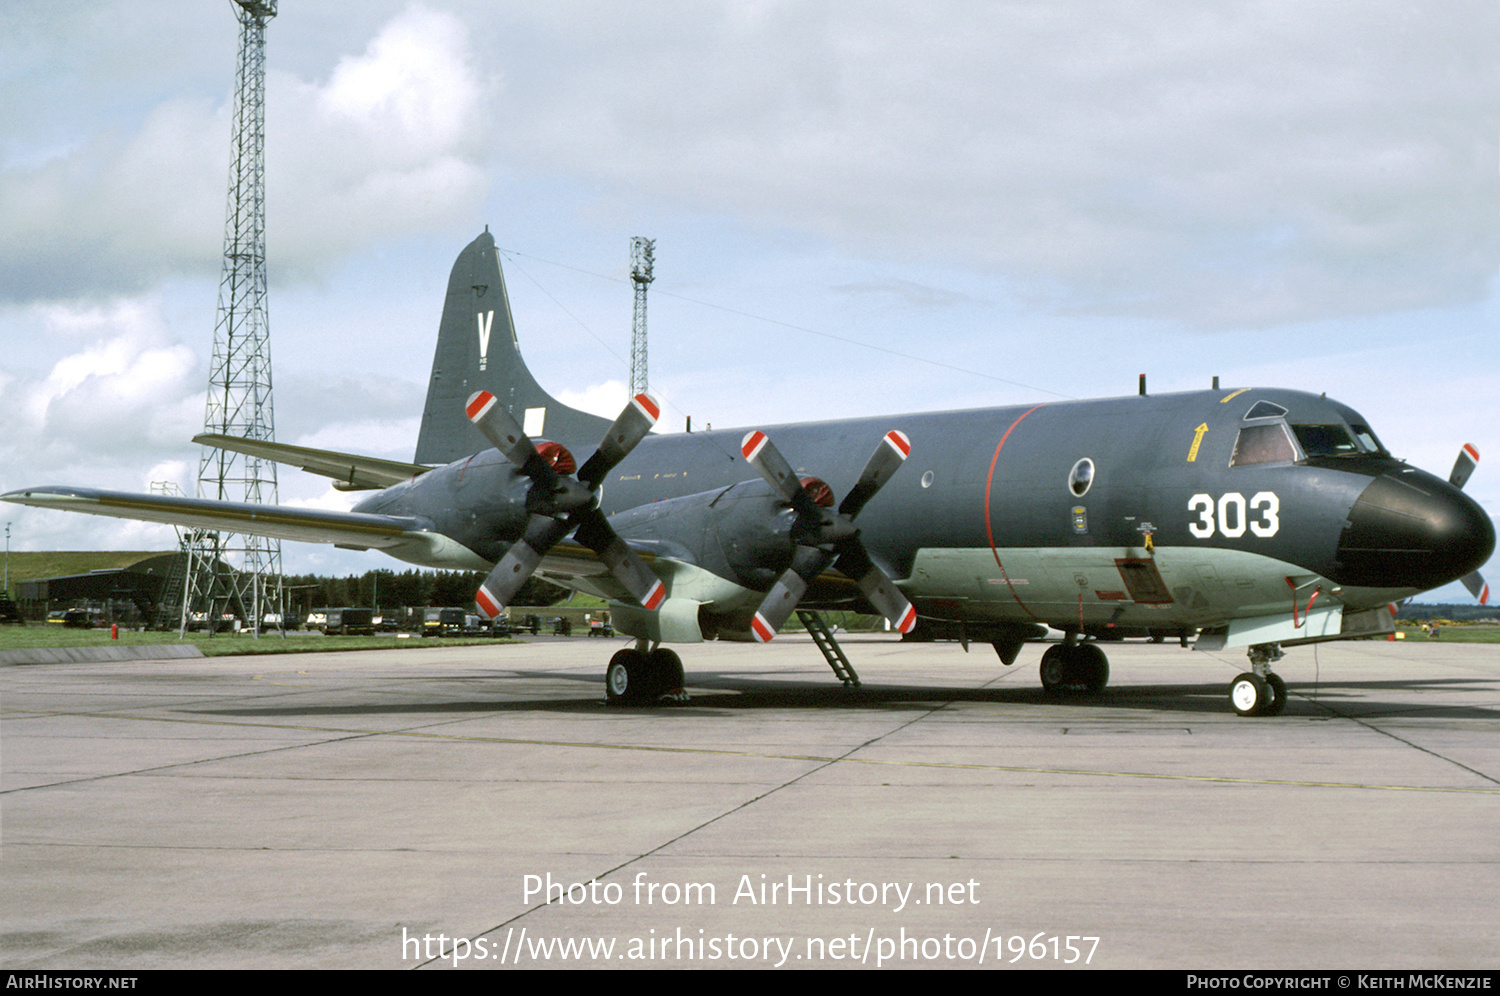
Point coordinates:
pixel 742 533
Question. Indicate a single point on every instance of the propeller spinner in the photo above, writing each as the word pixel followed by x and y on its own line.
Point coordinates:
pixel 825 538
pixel 560 504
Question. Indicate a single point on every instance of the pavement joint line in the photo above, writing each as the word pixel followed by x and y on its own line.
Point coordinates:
pixel 823 760
pixel 741 805
pixel 1317 702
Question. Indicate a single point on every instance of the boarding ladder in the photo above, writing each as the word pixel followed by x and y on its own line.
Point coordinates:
pixel 832 652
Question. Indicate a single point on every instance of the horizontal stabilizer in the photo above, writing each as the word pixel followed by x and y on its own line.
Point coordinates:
pixel 349 472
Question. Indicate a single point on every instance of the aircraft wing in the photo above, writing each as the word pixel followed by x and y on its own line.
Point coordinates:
pixel 349 472
pixel 405 537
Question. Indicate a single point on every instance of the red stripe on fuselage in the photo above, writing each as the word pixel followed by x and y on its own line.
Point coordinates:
pixel 989 529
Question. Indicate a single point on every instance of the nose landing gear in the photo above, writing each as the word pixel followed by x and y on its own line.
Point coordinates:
pixel 1259 692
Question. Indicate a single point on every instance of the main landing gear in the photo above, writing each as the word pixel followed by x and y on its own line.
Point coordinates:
pixel 639 677
pixel 1076 667
pixel 1259 692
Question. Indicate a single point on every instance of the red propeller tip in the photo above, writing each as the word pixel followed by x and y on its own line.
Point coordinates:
pixel 648 405
pixel 478 405
pixel 752 443
pixel 487 603
pixel 762 629
pixel 655 596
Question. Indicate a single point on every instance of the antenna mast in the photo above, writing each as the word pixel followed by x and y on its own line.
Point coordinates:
pixel 642 251
pixel 239 380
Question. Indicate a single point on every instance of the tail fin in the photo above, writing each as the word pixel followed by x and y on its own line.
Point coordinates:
pixel 477 350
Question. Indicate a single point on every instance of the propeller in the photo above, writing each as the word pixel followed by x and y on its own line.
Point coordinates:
pixel 825 537
pixel 560 504
pixel 1468 459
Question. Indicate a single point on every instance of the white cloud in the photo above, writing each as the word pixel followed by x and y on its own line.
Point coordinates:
pixel 413 84
pixel 606 399
pixel 128 387
pixel 388 146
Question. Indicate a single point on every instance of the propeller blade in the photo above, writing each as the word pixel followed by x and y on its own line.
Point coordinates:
pixel 1468 459
pixel 854 562
pixel 1477 587
pixel 629 428
pixel 624 563
pixel 518 564
pixel 506 435
pixel 777 607
pixel 888 457
pixel 768 462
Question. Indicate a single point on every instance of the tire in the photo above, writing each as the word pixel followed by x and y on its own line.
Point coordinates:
pixel 1249 694
pixel 664 669
pixel 1055 671
pixel 1278 695
pixel 625 678
pixel 1090 667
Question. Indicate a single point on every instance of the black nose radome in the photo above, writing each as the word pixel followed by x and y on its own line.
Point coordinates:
pixel 1411 530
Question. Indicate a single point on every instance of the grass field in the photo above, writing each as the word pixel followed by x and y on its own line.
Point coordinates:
pixel 1455 634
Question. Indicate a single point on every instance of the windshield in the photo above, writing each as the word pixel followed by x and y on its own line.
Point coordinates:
pixel 1366 438
pixel 1326 440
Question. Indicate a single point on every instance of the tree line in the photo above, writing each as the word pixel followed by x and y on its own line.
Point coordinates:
pixel 392 589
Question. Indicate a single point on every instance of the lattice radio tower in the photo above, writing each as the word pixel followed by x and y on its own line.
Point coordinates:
pixel 641 252
pixel 235 572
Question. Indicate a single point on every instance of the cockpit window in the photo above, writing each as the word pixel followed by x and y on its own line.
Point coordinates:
pixel 1264 409
pixel 1366 439
pixel 1325 440
pixel 1263 444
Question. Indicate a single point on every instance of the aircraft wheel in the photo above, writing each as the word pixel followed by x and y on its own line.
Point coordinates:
pixel 1250 694
pixel 1055 670
pixel 625 680
pixel 1090 667
pixel 1278 695
pixel 665 671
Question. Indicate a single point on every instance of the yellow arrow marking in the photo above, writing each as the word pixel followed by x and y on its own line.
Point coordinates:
pixel 1197 440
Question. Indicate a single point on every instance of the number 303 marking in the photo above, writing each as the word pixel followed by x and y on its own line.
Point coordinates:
pixel 1232 516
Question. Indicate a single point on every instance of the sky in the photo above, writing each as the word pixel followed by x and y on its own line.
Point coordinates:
pixel 860 208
